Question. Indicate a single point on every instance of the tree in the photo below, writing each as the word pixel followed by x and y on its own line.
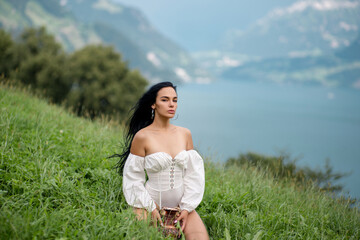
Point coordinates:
pixel 39 61
pixel 92 81
pixel 102 83
pixel 6 53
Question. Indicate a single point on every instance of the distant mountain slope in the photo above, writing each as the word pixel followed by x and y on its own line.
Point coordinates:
pixel 163 54
pixel 308 42
pixel 80 22
pixel 307 27
pixel 340 70
pixel 328 71
pixel 15 15
pixel 352 52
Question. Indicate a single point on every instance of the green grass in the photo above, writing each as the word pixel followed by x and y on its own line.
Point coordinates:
pixel 56 183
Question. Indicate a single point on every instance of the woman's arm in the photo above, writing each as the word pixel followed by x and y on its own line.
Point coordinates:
pixel 138 144
pixel 189 141
pixel 194 181
pixel 138 149
pixel 134 176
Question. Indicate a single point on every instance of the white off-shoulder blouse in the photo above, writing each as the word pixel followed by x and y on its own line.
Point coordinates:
pixel 173 182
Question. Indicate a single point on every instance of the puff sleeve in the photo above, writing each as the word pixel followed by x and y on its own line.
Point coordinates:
pixel 133 183
pixel 194 182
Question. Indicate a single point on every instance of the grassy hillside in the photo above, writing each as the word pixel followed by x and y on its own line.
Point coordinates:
pixel 56 182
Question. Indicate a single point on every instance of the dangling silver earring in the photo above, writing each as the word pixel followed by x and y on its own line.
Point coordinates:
pixel 152 113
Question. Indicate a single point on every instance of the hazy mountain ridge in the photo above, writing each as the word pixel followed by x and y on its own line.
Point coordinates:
pixel 304 28
pixel 335 70
pixel 308 42
pixel 352 52
pixel 81 22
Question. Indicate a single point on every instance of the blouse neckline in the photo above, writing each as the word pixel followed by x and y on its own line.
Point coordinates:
pixel 164 153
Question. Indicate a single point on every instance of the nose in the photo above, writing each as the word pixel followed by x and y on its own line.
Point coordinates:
pixel 171 103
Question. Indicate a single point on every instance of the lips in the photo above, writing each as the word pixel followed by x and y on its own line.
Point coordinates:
pixel 171 111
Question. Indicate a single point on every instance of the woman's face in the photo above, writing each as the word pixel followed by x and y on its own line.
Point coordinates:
pixel 166 102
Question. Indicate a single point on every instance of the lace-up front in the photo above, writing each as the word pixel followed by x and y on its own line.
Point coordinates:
pixel 165 172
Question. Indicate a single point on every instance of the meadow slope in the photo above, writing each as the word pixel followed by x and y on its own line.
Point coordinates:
pixel 57 183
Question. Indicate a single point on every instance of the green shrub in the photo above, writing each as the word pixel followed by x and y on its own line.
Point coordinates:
pixel 283 167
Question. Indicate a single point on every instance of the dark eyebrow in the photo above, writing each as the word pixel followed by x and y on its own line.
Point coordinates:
pixel 167 97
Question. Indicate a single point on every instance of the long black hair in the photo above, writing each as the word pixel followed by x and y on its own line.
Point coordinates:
pixel 140 118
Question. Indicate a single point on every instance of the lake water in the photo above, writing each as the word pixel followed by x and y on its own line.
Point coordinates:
pixel 311 123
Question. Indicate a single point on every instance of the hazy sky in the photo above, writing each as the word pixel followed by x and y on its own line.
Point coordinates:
pixel 200 24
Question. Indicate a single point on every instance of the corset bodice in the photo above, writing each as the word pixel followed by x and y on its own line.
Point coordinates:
pixel 165 172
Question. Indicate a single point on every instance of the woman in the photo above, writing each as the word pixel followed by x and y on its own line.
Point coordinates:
pixel 165 151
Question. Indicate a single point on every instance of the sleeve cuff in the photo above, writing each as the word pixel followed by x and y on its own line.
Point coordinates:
pixel 187 209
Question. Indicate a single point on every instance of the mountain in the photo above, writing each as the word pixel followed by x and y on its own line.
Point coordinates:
pixel 307 27
pixel 304 28
pixel 15 15
pixel 77 23
pixel 352 52
pixel 308 42
pixel 341 69
pixel 326 70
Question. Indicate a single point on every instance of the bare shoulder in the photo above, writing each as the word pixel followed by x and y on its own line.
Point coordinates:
pixel 187 135
pixel 139 142
pixel 184 131
pixel 140 136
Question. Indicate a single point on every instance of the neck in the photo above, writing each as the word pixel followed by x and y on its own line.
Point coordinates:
pixel 161 123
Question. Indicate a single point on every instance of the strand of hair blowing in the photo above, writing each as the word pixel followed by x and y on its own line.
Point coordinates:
pixel 140 118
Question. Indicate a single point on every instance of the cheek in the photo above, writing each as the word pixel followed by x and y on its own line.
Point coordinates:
pixel 161 105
